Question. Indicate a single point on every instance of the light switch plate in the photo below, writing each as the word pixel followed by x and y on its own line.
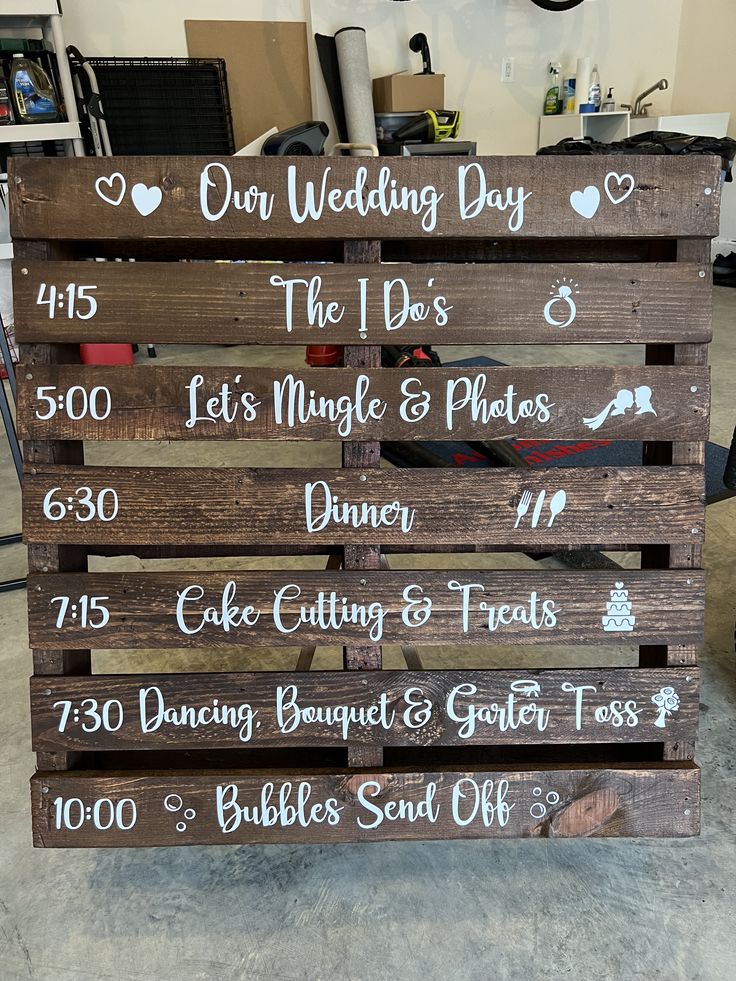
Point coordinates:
pixel 507 70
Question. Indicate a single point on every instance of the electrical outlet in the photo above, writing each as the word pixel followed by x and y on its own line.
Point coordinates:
pixel 507 70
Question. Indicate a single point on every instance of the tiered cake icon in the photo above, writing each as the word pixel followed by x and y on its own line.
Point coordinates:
pixel 618 612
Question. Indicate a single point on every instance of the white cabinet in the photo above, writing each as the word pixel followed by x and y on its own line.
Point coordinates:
pixel 692 123
pixel 607 127
pixel 604 127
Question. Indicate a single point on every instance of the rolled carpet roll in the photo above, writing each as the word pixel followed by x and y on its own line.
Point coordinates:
pixel 357 88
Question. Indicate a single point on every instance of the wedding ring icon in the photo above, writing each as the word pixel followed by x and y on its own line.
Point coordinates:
pixel 563 295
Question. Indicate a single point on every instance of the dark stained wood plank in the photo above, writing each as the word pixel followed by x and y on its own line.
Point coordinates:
pixel 290 608
pixel 257 197
pixel 48 558
pixel 185 403
pixel 439 303
pixel 690 453
pixel 362 455
pixel 684 453
pixel 392 708
pixel 306 653
pixel 251 807
pixel 159 505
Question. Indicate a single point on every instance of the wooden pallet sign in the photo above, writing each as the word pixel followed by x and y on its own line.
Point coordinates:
pixel 363 253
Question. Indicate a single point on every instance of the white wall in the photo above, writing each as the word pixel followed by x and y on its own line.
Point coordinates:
pixel 155 28
pixel 706 81
pixel 706 75
pixel 634 41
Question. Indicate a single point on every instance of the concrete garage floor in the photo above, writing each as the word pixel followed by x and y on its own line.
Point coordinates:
pixel 535 909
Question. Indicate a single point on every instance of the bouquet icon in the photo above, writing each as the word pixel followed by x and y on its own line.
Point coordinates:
pixel 667 701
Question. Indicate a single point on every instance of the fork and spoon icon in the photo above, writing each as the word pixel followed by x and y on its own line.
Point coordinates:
pixel 556 505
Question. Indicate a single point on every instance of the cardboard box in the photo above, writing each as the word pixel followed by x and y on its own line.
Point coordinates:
pixel 406 93
pixel 267 71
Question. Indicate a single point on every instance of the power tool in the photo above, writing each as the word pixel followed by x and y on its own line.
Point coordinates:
pixel 431 126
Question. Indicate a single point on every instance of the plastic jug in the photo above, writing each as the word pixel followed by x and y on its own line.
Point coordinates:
pixel 32 92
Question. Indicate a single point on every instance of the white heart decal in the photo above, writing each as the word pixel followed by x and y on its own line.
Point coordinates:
pixel 146 199
pixel 586 202
pixel 619 178
pixel 108 182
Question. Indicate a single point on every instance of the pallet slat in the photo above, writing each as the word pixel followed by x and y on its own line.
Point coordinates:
pixel 160 505
pixel 199 808
pixel 253 197
pixel 387 708
pixel 287 609
pixel 174 403
pixel 468 303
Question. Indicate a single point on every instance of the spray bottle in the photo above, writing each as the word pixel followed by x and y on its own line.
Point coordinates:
pixel 553 98
pixel 594 92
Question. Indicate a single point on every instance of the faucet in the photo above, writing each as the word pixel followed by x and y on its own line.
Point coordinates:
pixel 641 110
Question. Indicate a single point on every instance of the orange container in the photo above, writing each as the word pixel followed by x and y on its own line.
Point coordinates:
pixel 323 355
pixel 107 353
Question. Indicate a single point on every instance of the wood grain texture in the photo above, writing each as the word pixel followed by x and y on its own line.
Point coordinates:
pixel 160 505
pixel 360 455
pixel 235 303
pixel 638 271
pixel 526 196
pixel 174 403
pixel 391 708
pixel 660 800
pixel 292 608
pixel 47 557
pixel 691 453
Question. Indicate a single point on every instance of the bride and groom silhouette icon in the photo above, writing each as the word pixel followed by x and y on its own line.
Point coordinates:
pixel 625 399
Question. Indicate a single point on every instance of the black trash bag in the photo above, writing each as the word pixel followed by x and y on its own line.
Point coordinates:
pixel 724 270
pixel 652 143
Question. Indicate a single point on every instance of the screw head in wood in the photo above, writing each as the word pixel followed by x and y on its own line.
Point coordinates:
pixel 363 477
pixel 708 191
pixel 29 376
pixel 702 274
pixel 693 389
pixel 362 582
pixel 24 271
pixel 47 691
pixel 44 790
pixel 44 568
pixel 694 531
pixel 687 810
